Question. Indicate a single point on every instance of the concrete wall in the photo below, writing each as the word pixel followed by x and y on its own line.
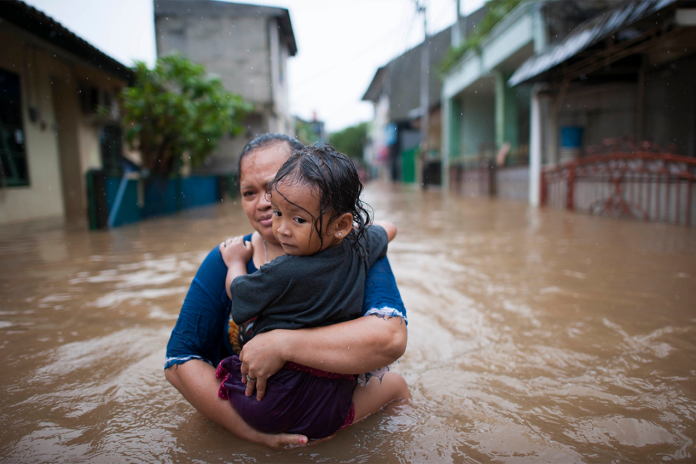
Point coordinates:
pixel 605 111
pixel 64 143
pixel 43 197
pixel 236 49
pixel 477 123
pixel 670 106
pixel 250 55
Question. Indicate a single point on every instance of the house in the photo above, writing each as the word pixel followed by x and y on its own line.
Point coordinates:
pixel 51 84
pixel 248 47
pixel 618 92
pixel 486 123
pixel 394 135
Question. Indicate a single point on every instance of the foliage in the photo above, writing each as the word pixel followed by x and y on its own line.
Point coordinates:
pixel 350 140
pixel 497 10
pixel 176 109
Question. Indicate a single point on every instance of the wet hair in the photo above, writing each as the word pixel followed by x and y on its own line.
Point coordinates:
pixel 266 140
pixel 333 176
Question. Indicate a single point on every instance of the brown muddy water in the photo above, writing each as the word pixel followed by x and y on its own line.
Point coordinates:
pixel 534 336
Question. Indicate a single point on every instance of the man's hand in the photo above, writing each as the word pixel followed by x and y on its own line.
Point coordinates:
pixel 236 249
pixel 261 358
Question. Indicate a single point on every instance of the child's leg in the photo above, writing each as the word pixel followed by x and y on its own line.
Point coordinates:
pixel 372 397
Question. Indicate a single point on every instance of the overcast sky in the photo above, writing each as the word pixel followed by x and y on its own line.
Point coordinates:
pixel 341 43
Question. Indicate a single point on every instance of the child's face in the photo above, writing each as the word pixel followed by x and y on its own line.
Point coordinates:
pixel 293 226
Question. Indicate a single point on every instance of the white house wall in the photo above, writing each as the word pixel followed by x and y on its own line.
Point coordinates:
pixel 43 197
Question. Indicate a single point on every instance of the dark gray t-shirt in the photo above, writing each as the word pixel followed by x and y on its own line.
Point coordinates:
pixel 293 292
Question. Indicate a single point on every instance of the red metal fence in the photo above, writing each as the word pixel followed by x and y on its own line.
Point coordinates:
pixel 648 185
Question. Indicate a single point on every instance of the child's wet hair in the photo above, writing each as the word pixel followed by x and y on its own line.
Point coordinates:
pixel 334 177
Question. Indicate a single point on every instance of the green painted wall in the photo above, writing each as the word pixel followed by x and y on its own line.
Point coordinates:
pixel 505 111
pixel 477 123
pixel 455 121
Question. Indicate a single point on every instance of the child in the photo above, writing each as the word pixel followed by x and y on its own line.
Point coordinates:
pixel 323 227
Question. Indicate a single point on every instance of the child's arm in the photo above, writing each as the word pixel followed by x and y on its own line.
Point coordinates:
pixel 389 227
pixel 236 253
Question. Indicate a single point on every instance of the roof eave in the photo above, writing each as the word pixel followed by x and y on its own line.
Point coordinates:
pixel 44 27
pixel 535 70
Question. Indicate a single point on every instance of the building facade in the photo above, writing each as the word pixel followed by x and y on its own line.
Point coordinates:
pixel 51 86
pixel 248 46
pixel 619 92
pixel 486 122
pixel 395 91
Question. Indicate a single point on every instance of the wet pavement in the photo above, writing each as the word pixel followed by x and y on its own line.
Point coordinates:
pixel 534 336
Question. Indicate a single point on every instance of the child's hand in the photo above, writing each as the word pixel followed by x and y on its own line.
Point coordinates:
pixel 236 249
pixel 388 227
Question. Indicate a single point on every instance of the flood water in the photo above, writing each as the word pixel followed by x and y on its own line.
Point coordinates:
pixel 534 336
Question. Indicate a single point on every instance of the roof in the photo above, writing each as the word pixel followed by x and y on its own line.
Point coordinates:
pixel 587 34
pixel 220 8
pixel 375 89
pixel 405 77
pixel 402 74
pixel 42 26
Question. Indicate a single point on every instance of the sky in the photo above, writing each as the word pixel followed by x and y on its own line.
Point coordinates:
pixel 341 43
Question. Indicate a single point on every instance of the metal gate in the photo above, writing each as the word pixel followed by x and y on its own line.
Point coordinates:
pixel 648 185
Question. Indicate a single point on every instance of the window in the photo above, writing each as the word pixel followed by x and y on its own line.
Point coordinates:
pixel 13 156
pixel 111 149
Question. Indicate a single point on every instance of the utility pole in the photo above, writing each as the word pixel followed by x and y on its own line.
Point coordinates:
pixel 458 36
pixel 424 94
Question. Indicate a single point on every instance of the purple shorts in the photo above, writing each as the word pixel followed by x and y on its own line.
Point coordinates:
pixel 298 399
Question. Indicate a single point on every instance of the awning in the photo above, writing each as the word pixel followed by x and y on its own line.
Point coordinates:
pixel 586 35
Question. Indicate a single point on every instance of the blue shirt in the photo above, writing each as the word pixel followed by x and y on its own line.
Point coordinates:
pixel 201 332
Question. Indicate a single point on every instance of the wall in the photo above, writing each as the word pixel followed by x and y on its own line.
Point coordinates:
pixel 604 111
pixel 64 144
pixel 236 49
pixel 477 123
pixel 670 106
pixel 43 197
pixel 250 56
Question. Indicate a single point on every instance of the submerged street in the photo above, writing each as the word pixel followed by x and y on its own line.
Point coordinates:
pixel 534 336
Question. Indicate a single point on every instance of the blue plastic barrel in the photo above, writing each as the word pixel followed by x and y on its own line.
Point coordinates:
pixel 571 136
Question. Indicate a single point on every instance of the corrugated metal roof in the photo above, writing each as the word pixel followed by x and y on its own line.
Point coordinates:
pixel 586 35
pixel 39 24
pixel 403 72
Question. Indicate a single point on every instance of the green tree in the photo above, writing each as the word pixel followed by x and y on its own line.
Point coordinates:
pixel 350 140
pixel 176 109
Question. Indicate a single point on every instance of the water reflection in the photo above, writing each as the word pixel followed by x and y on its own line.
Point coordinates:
pixel 535 336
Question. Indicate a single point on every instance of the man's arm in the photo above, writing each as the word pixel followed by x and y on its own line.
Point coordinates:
pixel 196 381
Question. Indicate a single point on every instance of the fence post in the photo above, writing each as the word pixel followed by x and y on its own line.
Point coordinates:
pixel 571 188
pixel 543 187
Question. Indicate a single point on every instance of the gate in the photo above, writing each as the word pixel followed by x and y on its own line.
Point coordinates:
pixel 646 183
